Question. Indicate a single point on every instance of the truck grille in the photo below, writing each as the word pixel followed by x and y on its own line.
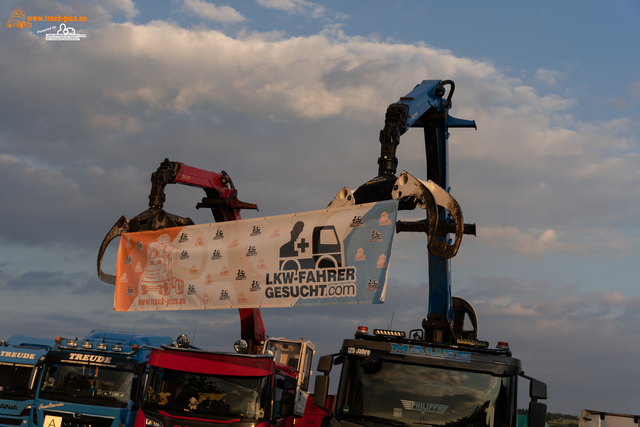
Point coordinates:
pixel 70 419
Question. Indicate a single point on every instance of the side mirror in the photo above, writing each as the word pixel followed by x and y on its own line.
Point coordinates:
pixel 290 383
pixel 287 405
pixel 537 390
pixel 537 410
pixel 320 391
pixel 537 414
pixel 325 363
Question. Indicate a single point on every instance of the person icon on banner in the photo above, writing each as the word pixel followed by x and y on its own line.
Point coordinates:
pixel 289 249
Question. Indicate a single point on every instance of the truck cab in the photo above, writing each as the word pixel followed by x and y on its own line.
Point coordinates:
pixel 94 382
pixel 388 378
pixel 18 356
pixel 201 387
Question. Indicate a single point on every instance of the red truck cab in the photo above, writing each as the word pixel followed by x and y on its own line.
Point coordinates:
pixel 188 387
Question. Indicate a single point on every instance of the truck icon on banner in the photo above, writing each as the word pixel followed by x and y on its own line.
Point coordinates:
pixel 157 274
pixel 324 250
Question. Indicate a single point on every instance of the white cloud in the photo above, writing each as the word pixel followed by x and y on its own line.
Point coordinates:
pixel 315 10
pixel 125 6
pixel 204 9
pixel 548 77
pixel 634 90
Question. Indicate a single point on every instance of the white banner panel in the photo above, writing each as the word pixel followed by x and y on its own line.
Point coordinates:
pixel 332 256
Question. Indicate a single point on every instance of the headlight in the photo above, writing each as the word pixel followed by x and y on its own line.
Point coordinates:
pixel 152 423
pixel 182 341
pixel 241 347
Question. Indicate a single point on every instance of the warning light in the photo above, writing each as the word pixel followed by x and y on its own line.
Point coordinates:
pixel 388 333
pixel 503 345
pixel 362 330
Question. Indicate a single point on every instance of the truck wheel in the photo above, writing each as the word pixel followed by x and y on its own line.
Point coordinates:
pixel 327 262
pixel 166 288
pixel 179 286
pixel 290 265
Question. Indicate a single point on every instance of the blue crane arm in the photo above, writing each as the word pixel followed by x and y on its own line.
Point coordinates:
pixel 423 107
pixel 426 107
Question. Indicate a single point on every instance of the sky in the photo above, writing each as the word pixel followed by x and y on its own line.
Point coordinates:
pixel 288 97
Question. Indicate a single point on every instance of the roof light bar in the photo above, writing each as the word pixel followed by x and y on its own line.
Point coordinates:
pixel 72 343
pixel 101 346
pixel 389 333
pixel 116 347
pixel 475 343
pixel 87 344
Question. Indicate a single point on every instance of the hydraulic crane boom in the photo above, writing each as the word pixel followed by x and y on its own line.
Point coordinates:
pixel 220 196
pixel 424 107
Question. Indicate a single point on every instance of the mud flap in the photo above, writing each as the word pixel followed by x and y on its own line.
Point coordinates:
pixel 429 195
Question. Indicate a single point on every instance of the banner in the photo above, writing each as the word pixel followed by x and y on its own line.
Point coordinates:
pixel 333 256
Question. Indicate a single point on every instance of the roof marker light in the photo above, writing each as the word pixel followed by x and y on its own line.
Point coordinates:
pixel 388 333
pixel 503 345
pixel 362 330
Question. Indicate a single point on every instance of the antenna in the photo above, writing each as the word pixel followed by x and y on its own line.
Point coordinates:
pixel 193 338
pixel 132 332
pixel 104 336
pixel 390 324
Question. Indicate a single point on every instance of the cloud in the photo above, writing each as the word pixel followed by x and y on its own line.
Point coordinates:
pixel 548 77
pixel 127 7
pixel 135 94
pixel 634 90
pixel 315 10
pixel 223 14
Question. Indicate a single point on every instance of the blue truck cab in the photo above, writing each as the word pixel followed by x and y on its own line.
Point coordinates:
pixel 18 356
pixel 95 382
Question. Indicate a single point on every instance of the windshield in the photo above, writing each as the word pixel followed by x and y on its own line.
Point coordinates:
pixel 92 385
pixel 14 381
pixel 207 395
pixel 406 394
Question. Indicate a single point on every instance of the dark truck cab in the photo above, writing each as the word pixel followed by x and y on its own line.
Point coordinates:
pixel 388 379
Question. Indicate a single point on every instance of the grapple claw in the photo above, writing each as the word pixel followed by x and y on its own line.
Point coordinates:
pixel 121 226
pixel 429 196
